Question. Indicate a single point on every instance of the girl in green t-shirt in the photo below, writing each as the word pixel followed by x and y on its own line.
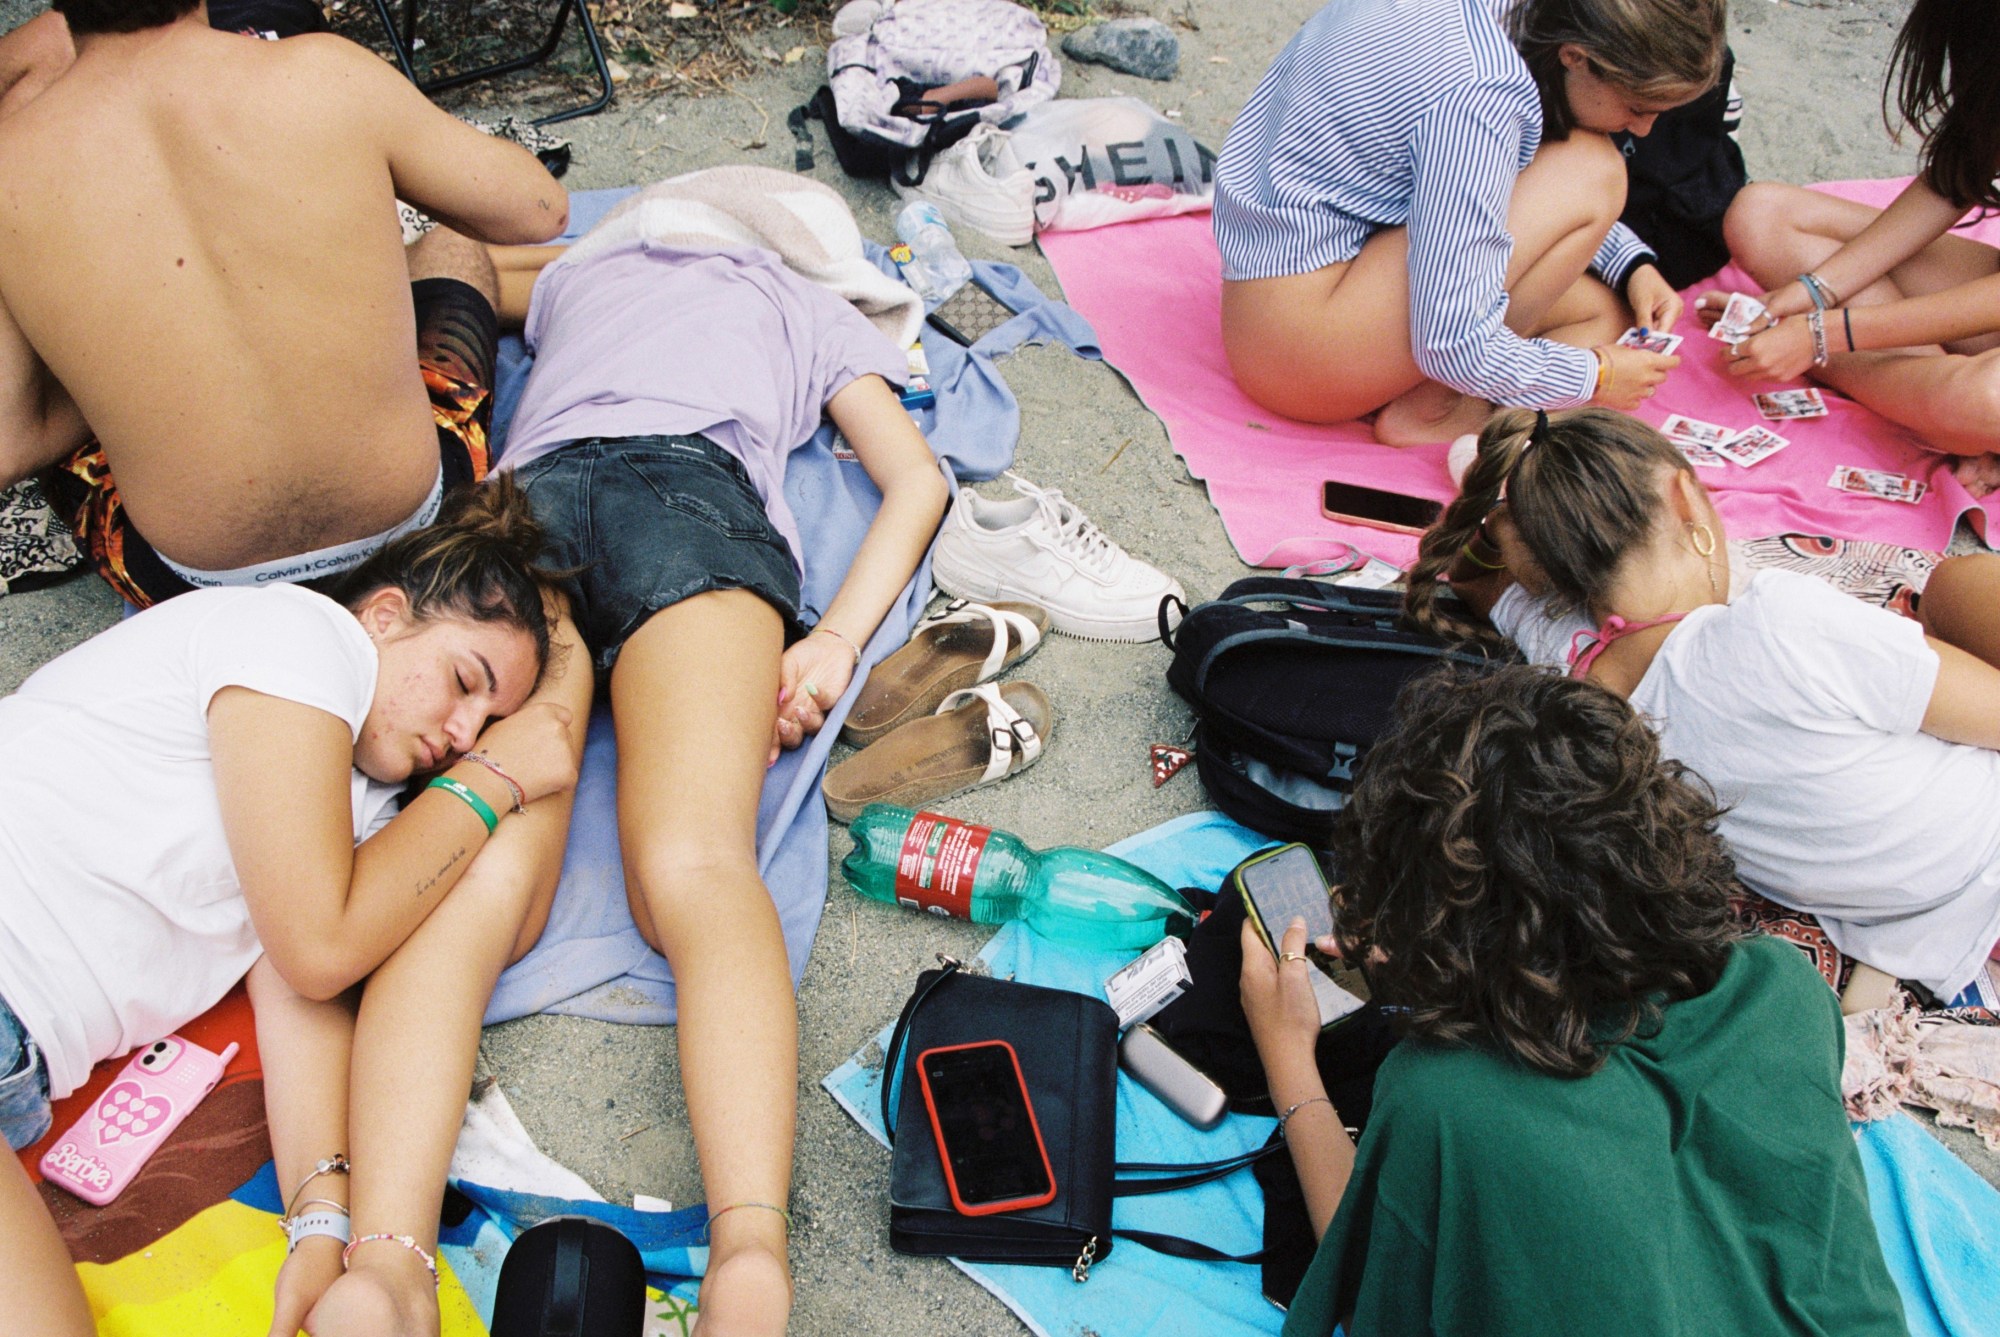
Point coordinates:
pixel 1611 1112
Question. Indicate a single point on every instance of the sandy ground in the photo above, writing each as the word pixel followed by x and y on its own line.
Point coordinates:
pixel 606 1099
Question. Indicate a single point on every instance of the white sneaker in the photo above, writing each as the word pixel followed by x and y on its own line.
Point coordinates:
pixel 1040 549
pixel 981 183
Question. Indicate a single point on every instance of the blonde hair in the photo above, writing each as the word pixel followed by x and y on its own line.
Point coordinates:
pixel 1583 495
pixel 1665 51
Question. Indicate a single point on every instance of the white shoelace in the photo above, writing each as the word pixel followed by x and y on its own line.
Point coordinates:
pixel 1075 533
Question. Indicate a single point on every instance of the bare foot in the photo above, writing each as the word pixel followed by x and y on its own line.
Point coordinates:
pixel 1429 413
pixel 1979 474
pixel 747 1294
pixel 387 1293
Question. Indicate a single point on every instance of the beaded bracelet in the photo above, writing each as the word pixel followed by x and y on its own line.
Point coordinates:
pixel 1606 374
pixel 407 1241
pixel 1816 322
pixel 520 795
pixel 1286 1117
pixel 471 797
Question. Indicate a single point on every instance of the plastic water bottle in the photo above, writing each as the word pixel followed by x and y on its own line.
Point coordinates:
pixel 935 268
pixel 1069 895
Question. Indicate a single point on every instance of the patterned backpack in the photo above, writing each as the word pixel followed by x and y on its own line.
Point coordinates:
pixel 887 53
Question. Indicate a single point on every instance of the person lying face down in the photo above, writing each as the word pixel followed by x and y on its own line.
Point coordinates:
pixel 211 336
pixel 208 789
pixel 1417 211
pixel 1854 750
pixel 1610 1112
pixel 671 386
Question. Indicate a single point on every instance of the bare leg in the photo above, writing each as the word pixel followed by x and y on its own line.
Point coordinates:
pixel 44 1298
pixel 694 694
pixel 1961 605
pixel 444 254
pixel 416 1041
pixel 1335 344
pixel 1949 396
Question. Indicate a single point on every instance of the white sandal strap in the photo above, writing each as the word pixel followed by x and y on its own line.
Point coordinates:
pixel 1002 621
pixel 1007 730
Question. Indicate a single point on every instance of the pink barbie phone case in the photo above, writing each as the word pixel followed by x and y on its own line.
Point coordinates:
pixel 102 1151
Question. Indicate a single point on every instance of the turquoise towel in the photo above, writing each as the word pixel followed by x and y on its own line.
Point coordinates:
pixel 1940 1229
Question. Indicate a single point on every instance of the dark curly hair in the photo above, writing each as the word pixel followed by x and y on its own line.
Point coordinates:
pixel 1521 869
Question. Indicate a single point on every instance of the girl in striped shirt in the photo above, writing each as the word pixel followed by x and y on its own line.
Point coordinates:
pixel 1396 234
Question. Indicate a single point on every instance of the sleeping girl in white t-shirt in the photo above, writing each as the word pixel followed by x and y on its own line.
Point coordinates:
pixel 1852 749
pixel 207 790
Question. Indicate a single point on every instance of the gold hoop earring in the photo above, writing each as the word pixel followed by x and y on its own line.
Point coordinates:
pixel 1702 538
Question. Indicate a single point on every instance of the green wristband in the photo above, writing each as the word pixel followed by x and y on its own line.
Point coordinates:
pixel 472 799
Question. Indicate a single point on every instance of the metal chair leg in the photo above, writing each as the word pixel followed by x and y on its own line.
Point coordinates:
pixel 402 40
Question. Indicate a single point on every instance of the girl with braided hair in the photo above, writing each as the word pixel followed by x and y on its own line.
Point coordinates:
pixel 1856 753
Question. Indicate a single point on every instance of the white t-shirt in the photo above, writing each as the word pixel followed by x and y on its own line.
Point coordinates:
pixel 1803 708
pixel 121 917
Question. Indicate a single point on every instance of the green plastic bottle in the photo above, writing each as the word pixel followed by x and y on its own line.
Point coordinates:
pixel 1069 895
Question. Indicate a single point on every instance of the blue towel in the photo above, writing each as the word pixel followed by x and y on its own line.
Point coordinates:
pixel 1135 1290
pixel 1940 1228
pixel 591 961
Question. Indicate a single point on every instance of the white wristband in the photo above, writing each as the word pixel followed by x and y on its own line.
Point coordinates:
pixel 334 1225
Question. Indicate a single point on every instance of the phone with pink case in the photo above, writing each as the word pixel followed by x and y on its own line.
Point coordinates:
pixel 102 1151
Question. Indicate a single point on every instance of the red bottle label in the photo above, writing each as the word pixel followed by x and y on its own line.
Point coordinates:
pixel 938 863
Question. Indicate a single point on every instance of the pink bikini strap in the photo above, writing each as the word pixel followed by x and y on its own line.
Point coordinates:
pixel 1586 646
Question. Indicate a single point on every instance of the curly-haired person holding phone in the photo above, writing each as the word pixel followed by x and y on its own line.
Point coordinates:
pixel 1610 1112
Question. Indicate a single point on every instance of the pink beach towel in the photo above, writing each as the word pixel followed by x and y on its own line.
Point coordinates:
pixel 1153 291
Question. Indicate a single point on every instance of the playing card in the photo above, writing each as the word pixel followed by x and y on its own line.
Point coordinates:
pixel 1751 445
pixel 1653 341
pixel 1694 432
pixel 1876 483
pixel 1701 457
pixel 1740 319
pixel 1790 404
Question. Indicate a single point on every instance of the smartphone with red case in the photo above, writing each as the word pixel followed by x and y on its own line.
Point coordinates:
pixel 104 1149
pixel 987 1138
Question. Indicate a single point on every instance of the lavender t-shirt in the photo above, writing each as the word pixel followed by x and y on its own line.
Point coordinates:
pixel 657 340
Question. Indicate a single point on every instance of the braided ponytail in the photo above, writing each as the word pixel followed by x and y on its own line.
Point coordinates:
pixel 477 560
pixel 1501 443
pixel 1583 499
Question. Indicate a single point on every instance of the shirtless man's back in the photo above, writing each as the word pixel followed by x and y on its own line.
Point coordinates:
pixel 200 258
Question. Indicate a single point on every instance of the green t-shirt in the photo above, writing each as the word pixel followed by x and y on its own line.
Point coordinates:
pixel 1704 1181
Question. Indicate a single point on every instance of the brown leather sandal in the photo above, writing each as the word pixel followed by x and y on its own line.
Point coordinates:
pixel 966 644
pixel 978 735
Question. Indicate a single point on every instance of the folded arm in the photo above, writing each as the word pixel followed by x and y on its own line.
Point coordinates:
pixel 328 911
pixel 1913 220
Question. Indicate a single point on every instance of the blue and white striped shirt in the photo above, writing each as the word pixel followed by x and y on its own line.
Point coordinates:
pixel 1381 113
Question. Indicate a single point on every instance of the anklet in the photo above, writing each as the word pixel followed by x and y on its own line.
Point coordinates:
pixel 769 1207
pixel 407 1241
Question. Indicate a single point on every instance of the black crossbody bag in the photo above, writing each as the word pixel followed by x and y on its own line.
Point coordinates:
pixel 1067 1044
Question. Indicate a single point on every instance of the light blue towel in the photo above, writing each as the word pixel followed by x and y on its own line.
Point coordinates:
pixel 591 961
pixel 1939 1223
pixel 1135 1290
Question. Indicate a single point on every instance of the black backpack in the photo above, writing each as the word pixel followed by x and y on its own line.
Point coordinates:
pixel 1291 681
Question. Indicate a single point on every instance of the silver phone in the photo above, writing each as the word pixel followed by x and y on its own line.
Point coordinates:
pixel 1179 1085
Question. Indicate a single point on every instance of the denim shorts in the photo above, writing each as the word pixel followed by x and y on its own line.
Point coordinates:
pixel 649 521
pixel 24 1087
